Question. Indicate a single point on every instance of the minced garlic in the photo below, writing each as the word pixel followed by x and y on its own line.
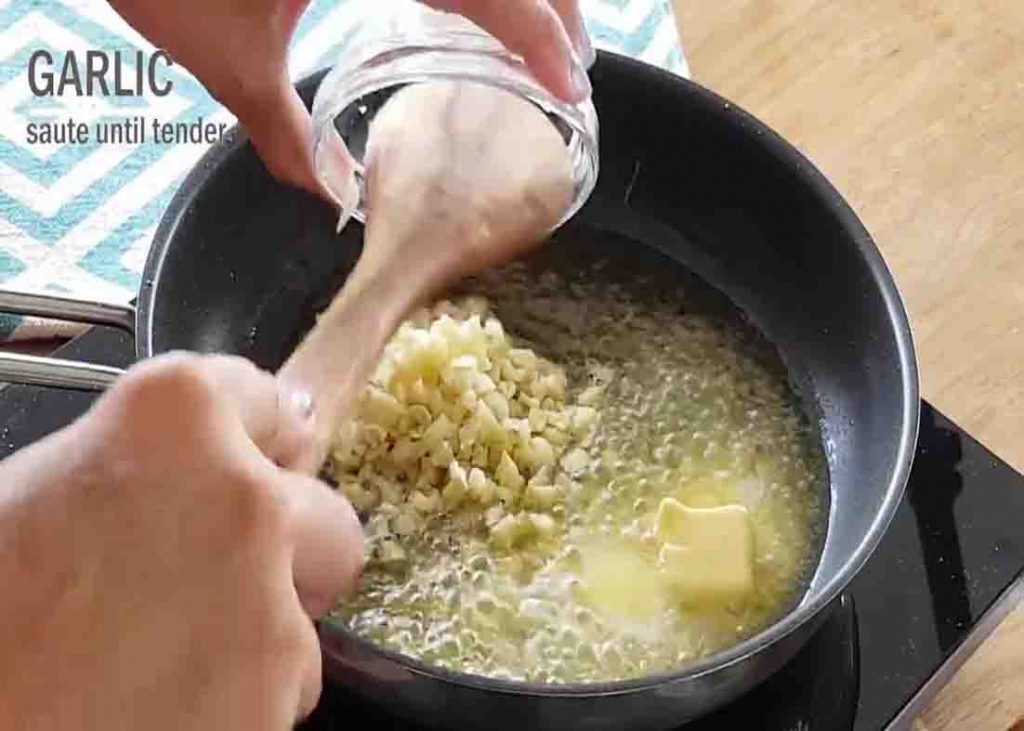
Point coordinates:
pixel 457 420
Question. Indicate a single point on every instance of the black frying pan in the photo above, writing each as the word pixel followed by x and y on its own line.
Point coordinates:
pixel 689 185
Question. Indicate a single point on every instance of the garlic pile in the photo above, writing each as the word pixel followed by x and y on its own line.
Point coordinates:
pixel 458 422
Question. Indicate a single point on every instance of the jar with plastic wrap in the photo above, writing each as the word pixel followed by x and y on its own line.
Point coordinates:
pixel 404 43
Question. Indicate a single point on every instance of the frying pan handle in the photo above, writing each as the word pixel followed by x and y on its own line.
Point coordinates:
pixel 55 372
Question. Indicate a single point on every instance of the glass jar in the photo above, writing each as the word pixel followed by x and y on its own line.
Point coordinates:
pixel 407 43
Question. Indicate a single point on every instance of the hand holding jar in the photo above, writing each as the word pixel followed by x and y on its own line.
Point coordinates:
pixel 239 50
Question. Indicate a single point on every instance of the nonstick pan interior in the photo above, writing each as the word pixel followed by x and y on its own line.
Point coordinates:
pixel 242 264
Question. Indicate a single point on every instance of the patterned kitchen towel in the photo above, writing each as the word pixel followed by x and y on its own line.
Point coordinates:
pixel 78 219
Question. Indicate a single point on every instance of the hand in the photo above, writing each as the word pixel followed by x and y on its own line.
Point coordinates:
pixel 548 34
pixel 161 567
pixel 239 50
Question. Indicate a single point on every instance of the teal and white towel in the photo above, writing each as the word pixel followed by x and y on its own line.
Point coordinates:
pixel 78 219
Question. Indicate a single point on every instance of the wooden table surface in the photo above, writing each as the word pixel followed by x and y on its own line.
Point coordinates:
pixel 915 110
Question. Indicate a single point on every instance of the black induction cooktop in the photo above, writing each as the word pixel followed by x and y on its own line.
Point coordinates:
pixel 949 568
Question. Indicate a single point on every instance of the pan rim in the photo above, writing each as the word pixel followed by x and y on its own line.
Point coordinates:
pixel 807 610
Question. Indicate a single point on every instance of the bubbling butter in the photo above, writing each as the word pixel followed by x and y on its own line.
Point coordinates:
pixel 648 492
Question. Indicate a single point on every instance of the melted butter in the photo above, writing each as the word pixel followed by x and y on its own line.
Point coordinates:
pixel 620 580
pixel 692 411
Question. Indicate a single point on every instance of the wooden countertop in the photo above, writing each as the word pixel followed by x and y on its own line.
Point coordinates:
pixel 915 110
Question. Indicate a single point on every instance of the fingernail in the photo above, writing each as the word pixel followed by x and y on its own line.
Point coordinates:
pixel 579 78
pixel 301 403
pixel 587 53
pixel 335 169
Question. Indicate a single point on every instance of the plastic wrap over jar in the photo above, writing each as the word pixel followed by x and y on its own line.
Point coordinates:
pixel 408 43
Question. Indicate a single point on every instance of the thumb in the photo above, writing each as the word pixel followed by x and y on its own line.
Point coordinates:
pixel 281 130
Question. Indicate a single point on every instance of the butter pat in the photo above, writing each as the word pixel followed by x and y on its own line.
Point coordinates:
pixel 707 556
